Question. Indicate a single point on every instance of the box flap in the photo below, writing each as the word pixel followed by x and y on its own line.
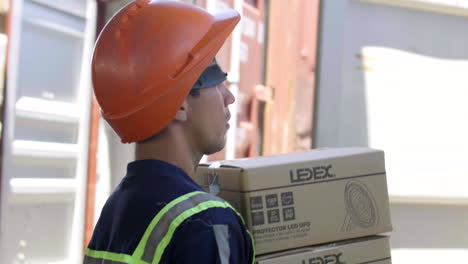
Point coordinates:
pixel 290 158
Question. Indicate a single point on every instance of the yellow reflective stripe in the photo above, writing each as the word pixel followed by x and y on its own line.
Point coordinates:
pixel 138 253
pixel 118 257
pixel 178 220
pixel 91 260
pixel 253 245
pixel 135 258
pixel 162 227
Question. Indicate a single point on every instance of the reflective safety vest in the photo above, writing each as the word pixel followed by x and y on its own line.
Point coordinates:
pixel 159 233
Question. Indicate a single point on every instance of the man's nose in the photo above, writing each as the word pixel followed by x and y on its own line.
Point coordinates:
pixel 228 96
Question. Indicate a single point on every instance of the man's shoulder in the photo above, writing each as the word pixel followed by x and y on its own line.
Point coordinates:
pixel 212 231
pixel 214 216
pixel 217 215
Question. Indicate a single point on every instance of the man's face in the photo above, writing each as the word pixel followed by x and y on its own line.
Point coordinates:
pixel 209 116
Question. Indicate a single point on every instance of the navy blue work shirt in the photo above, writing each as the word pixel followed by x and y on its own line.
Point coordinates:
pixel 148 186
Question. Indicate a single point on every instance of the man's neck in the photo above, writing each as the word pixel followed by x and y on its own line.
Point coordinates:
pixel 171 147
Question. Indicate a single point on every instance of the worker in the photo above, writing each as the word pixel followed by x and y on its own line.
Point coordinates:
pixel 158 84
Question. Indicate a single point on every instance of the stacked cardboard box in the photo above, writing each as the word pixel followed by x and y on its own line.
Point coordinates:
pixel 373 249
pixel 302 199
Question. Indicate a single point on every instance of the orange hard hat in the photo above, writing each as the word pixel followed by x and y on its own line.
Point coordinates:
pixel 148 57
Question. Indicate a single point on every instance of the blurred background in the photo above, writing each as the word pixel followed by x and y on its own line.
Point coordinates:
pixel 387 74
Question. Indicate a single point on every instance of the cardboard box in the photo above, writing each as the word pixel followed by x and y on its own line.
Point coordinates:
pixel 375 249
pixel 301 199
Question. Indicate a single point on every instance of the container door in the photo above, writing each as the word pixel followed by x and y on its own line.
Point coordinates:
pixel 45 138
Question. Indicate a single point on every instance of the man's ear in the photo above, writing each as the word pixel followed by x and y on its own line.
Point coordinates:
pixel 182 113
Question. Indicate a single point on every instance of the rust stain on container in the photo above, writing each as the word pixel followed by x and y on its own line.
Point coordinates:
pixel 293 28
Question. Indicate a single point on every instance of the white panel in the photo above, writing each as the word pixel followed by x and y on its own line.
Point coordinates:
pixel 47 110
pixel 85 94
pixel 429 256
pixel 75 7
pixel 429 226
pixel 36 149
pixel 43 167
pixel 51 58
pixel 42 186
pixel 417 110
pixel 451 7
pixel 33 10
pixel 40 130
pixel 46 131
pixel 437 111
pixel 421 49
pixel 413 101
pixel 429 234
pixel 39 233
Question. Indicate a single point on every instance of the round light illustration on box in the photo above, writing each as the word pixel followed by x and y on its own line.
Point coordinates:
pixel 361 209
